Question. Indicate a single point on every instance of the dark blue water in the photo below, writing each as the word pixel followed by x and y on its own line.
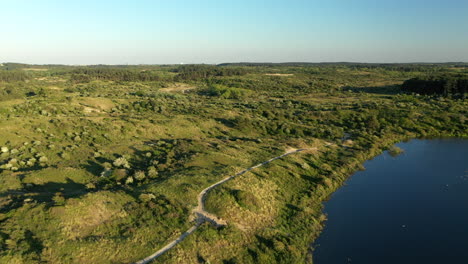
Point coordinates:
pixel 412 208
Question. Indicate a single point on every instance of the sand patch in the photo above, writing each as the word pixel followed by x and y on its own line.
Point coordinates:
pixel 99 104
pixel 34 69
pixel 178 87
pixel 279 74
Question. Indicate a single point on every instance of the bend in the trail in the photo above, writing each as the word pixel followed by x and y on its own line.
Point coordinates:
pixel 202 215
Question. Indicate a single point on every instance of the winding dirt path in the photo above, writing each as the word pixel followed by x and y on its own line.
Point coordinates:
pixel 202 215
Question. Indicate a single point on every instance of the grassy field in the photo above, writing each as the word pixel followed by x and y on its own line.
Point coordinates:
pixel 104 164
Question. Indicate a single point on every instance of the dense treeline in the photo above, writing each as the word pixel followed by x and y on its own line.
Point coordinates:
pixel 405 67
pixel 112 74
pixel 11 76
pixel 449 85
pixel 184 73
pixel 13 66
pixel 197 72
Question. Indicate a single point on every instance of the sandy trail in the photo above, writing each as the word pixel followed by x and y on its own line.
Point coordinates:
pixel 203 216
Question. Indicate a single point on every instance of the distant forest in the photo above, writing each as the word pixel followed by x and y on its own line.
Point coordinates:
pixel 435 78
pixel 11 76
pixel 455 86
pixel 112 74
pixel 408 67
pixel 196 72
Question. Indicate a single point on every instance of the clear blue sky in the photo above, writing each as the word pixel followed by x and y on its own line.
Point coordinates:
pixel 214 31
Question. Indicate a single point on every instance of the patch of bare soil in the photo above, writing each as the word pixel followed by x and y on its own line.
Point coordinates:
pixel 178 87
pixel 91 110
pixel 279 74
pixel 35 69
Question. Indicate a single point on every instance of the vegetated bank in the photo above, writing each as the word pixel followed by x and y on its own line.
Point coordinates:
pixel 382 214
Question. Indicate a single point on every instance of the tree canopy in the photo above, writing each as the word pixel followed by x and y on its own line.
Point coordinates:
pixel 447 85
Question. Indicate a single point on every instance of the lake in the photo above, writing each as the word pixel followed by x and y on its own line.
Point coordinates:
pixel 412 208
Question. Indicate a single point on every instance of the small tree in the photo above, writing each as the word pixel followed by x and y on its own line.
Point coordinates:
pixel 129 180
pixel 59 199
pixel 119 174
pixel 121 162
pixel 140 175
pixel 152 172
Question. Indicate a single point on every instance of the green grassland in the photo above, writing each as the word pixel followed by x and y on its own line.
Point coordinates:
pixel 103 164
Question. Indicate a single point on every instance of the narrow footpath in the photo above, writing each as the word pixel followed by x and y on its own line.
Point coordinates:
pixel 202 215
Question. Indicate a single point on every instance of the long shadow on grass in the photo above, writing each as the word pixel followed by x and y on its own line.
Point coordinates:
pixel 383 90
pixel 49 193
pixel 94 167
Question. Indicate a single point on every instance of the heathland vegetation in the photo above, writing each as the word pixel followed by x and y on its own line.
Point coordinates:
pixel 103 164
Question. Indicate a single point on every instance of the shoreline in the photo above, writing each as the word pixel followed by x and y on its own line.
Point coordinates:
pixel 373 153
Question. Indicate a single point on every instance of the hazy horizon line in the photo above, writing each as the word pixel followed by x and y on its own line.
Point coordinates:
pixel 240 62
